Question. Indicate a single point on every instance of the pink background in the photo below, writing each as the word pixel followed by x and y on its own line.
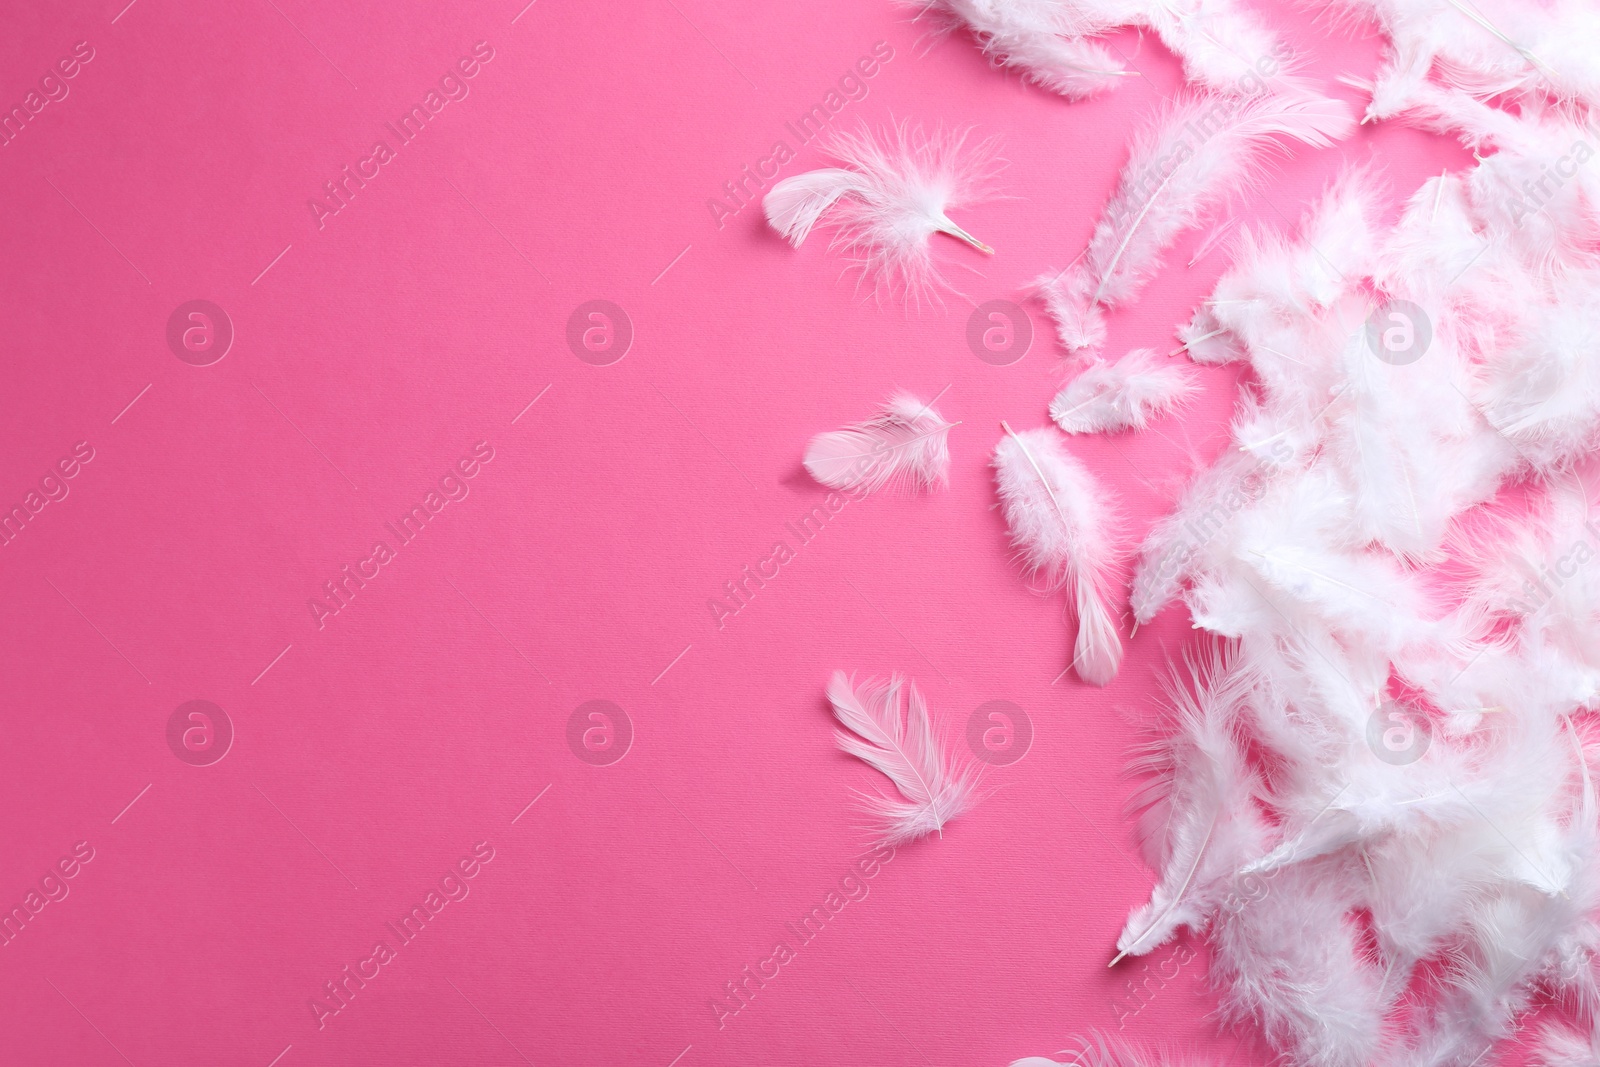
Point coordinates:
pixel 372 753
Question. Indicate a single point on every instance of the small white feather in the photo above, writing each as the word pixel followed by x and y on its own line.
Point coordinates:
pixel 906 443
pixel 1045 40
pixel 934 785
pixel 1060 519
pixel 1200 151
pixel 890 195
pixel 1123 395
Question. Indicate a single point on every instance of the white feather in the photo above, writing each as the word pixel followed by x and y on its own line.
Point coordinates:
pixel 1202 820
pixel 934 786
pixel 1223 45
pixel 1123 395
pixel 889 197
pixel 906 443
pixel 1045 40
pixel 1060 519
pixel 1199 152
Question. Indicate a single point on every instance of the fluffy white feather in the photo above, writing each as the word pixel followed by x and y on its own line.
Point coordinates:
pixel 890 195
pixel 906 443
pixel 1061 521
pixel 1047 41
pixel 1199 152
pixel 934 785
pixel 1201 821
pixel 1222 44
pixel 1482 49
pixel 1123 395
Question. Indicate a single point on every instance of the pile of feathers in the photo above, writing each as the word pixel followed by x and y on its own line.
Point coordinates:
pixel 1374 793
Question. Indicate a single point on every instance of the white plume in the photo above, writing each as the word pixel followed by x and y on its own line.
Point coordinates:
pixel 1060 519
pixel 1201 821
pixel 906 443
pixel 890 196
pixel 1199 152
pixel 1223 44
pixel 934 786
pixel 1045 40
pixel 1123 395
pixel 1483 49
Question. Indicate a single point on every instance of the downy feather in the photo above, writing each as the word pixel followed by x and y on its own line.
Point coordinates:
pixel 887 199
pixel 1061 521
pixel 1201 821
pixel 934 785
pixel 906 444
pixel 1044 40
pixel 1199 152
pixel 1123 395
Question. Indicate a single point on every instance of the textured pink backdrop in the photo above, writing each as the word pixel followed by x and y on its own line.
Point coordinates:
pixel 375 348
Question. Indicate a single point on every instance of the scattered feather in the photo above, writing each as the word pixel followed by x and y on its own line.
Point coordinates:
pixel 1200 151
pixel 906 443
pixel 934 786
pixel 1123 395
pixel 1060 520
pixel 887 199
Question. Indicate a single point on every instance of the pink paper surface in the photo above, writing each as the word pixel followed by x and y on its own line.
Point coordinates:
pixel 424 324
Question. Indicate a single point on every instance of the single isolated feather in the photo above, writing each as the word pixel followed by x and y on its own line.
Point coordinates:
pixel 906 443
pixel 1202 150
pixel 1123 395
pixel 887 199
pixel 934 786
pixel 1060 522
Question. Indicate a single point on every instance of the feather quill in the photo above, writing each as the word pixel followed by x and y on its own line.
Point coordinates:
pixel 906 443
pixel 1200 151
pixel 934 786
pixel 1123 395
pixel 887 199
pixel 1060 520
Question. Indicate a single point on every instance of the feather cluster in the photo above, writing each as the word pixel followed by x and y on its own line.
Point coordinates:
pixel 1376 797
pixel 887 198
pixel 906 443
pixel 1123 395
pixel 1053 43
pixel 934 785
pixel 1200 151
pixel 1483 49
pixel 1061 523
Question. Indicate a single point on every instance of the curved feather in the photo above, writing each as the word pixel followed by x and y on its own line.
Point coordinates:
pixel 794 205
pixel 1123 395
pixel 1060 522
pixel 900 187
pixel 1045 40
pixel 1199 151
pixel 906 443
pixel 934 786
